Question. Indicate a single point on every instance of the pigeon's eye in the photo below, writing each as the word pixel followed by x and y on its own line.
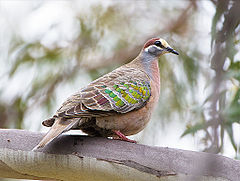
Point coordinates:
pixel 158 43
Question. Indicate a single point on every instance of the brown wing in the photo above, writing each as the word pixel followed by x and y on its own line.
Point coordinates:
pixel 120 91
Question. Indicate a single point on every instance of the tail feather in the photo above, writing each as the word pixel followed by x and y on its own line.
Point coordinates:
pixel 60 125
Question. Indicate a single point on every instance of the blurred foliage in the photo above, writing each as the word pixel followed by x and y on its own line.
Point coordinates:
pixel 224 101
pixel 107 36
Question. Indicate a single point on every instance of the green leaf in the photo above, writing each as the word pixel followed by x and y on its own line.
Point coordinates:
pixel 229 131
pixel 191 67
pixel 194 129
pixel 232 113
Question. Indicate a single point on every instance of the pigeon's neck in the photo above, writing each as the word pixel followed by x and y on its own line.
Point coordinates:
pixel 149 64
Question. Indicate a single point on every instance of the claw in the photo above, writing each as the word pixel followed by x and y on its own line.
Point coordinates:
pixel 123 137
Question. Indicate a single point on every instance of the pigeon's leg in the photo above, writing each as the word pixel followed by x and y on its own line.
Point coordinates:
pixel 123 137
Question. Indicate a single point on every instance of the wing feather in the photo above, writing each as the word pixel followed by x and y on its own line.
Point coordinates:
pixel 120 91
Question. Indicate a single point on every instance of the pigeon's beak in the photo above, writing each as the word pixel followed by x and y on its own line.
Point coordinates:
pixel 169 49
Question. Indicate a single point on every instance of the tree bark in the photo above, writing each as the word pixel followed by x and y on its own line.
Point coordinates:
pixel 74 157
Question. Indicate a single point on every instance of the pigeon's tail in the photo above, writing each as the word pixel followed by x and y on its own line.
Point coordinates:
pixel 60 125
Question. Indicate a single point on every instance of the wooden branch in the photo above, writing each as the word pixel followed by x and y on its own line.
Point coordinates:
pixel 74 157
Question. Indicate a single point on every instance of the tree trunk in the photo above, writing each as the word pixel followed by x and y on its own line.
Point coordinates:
pixel 74 157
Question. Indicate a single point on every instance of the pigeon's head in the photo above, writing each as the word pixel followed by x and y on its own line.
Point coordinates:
pixel 158 47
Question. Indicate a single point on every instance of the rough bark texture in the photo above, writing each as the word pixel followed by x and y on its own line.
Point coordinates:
pixel 74 157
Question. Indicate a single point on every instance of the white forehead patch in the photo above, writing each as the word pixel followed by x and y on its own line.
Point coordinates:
pixel 164 43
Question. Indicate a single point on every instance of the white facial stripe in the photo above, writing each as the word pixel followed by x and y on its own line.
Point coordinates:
pixel 146 49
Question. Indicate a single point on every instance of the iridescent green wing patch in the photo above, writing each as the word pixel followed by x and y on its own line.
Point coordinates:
pixel 128 95
pixel 140 90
